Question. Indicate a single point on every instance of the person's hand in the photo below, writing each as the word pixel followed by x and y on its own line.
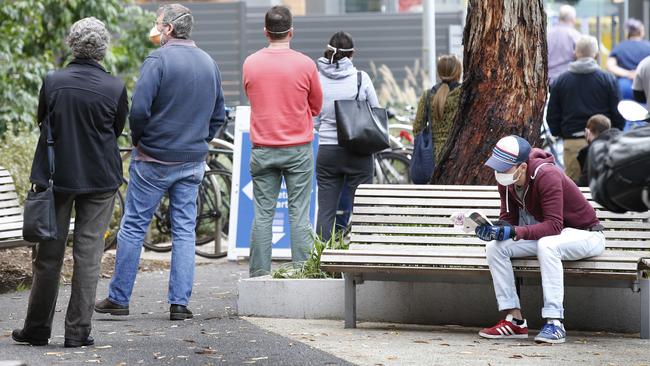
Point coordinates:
pixel 499 232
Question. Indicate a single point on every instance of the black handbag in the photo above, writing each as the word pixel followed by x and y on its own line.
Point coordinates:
pixel 360 128
pixel 39 214
pixel 422 160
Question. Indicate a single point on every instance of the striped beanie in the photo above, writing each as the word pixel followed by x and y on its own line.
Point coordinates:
pixel 508 152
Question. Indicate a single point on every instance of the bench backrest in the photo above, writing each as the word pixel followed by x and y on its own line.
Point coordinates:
pixel 420 215
pixel 11 213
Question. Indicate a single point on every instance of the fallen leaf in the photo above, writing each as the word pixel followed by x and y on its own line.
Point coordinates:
pixel 444 344
pixel 516 356
pixel 189 340
pixel 421 341
pixel 206 351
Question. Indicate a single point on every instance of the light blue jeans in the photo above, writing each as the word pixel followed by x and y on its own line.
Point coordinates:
pixel 148 183
pixel 569 245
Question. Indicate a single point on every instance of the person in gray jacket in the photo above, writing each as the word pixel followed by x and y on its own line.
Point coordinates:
pixel 336 166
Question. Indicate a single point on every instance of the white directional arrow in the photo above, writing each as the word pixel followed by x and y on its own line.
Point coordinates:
pixel 277 237
pixel 248 190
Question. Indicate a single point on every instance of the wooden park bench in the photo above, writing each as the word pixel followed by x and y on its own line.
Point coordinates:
pixel 11 214
pixel 404 233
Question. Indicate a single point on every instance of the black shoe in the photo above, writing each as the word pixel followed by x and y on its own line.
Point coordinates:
pixel 106 306
pixel 73 343
pixel 20 337
pixel 179 312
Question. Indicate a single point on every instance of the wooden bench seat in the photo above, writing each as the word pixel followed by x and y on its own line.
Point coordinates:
pixel 11 214
pixel 404 233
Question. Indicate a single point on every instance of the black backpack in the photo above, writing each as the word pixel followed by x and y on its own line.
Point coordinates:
pixel 619 170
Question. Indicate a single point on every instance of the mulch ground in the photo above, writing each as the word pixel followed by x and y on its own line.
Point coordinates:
pixel 16 268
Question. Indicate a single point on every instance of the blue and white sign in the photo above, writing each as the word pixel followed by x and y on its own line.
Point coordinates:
pixel 241 204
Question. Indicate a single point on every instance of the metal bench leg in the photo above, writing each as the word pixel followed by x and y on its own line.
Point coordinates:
pixel 350 301
pixel 645 307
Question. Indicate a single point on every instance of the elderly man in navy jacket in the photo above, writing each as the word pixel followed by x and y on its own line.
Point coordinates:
pixel 177 108
pixel 578 94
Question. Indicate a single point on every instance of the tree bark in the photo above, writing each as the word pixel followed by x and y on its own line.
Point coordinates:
pixel 504 86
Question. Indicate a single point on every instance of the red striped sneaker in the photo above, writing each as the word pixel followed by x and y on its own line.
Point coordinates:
pixel 506 328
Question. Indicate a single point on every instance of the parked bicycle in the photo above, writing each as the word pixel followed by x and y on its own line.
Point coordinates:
pixel 213 208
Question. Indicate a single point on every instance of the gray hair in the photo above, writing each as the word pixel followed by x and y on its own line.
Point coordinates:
pixel 178 16
pixel 567 13
pixel 586 46
pixel 88 38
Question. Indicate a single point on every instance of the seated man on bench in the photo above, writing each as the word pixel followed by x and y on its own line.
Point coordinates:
pixel 543 214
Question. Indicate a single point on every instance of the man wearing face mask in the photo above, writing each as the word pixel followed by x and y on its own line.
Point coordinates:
pixel 543 214
pixel 178 106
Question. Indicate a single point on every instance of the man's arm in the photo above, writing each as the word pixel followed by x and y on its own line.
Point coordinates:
pixel 554 111
pixel 146 90
pixel 612 66
pixel 219 113
pixel 122 112
pixel 549 186
pixel 617 120
pixel 315 97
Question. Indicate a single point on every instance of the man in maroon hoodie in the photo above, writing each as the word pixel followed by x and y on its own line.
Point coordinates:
pixel 543 214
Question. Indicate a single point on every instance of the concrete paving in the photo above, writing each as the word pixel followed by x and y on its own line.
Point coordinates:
pixel 216 336
pixel 399 344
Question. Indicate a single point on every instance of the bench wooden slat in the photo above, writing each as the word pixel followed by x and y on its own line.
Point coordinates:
pixel 401 260
pixel 470 252
pixel 6 196
pixel 8 219
pixel 11 203
pixel 11 211
pixel 416 187
pixel 442 220
pixel 11 234
pixel 450 231
pixel 8 226
pixel 6 179
pixel 450 240
pixel 493 212
pixel 7 188
pixel 4 172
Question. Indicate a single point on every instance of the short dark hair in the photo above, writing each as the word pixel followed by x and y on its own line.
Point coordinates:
pixel 339 40
pixel 278 21
pixel 598 123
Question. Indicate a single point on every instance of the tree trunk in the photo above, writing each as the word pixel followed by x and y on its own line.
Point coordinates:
pixel 504 86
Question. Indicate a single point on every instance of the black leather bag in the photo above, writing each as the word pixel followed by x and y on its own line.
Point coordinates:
pixel 39 214
pixel 422 160
pixel 360 128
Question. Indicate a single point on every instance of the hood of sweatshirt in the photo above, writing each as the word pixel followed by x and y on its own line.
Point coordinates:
pixel 585 65
pixel 342 70
pixel 536 159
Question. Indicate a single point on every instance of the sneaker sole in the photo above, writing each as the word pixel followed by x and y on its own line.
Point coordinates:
pixel 119 312
pixel 493 336
pixel 180 316
pixel 552 341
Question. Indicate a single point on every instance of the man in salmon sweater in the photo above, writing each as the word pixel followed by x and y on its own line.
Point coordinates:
pixel 284 91
pixel 543 214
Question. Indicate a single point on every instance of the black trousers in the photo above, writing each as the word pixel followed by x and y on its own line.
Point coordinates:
pixel 92 216
pixel 335 165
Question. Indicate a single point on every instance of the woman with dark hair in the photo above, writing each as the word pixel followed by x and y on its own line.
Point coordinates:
pixel 336 165
pixel 443 102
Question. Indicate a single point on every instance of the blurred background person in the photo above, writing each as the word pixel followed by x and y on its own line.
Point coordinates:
pixel 443 103
pixel 624 58
pixel 578 94
pixel 561 40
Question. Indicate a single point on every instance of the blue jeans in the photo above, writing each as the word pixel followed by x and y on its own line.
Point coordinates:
pixel 148 183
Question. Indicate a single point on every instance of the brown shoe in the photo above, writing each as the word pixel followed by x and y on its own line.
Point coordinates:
pixel 106 306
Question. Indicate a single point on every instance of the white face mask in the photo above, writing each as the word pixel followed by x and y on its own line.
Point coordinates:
pixel 505 179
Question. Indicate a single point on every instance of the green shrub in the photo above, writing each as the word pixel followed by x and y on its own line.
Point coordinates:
pixel 16 154
pixel 311 267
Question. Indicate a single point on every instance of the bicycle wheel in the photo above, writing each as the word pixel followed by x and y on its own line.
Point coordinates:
pixel 110 235
pixel 213 211
pixel 391 168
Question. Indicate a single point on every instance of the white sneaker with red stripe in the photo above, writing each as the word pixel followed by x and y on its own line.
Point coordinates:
pixel 506 328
